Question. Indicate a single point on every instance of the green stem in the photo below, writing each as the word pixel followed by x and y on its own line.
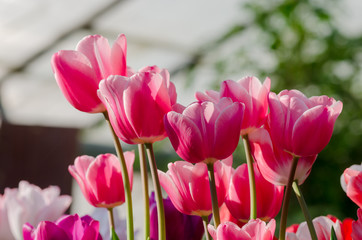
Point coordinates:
pixel 249 161
pixel 305 211
pixel 111 220
pixel 126 183
pixel 283 219
pixel 205 221
pixel 215 204
pixel 157 186
pixel 146 201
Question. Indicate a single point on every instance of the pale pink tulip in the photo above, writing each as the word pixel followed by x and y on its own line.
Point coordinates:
pixel 187 185
pixel 323 226
pixel 300 125
pixel 357 226
pixel 351 181
pixel 100 178
pixel 253 95
pixel 205 131
pixel 269 197
pixel 274 163
pixel 30 204
pixel 136 105
pixel 255 229
pixel 78 72
pixel 5 232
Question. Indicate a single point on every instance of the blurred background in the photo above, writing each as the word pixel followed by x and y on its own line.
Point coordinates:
pixel 314 46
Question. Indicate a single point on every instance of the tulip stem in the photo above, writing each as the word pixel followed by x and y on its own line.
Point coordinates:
pixel 283 219
pixel 303 206
pixel 249 161
pixel 205 221
pixel 215 204
pixel 126 183
pixel 144 176
pixel 111 220
pixel 157 186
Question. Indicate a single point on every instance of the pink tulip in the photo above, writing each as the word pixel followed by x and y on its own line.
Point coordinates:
pixel 323 226
pixel 268 196
pixel 274 163
pixel 100 178
pixel 253 95
pixel 29 203
pixel 79 72
pixel 357 226
pixel 187 185
pixel 136 105
pixel 351 181
pixel 254 229
pixel 300 125
pixel 69 227
pixel 205 131
pixel 5 232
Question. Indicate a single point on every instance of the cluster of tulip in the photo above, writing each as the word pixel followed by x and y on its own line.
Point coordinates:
pixel 282 135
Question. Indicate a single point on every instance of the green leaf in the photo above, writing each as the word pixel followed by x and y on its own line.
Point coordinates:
pixel 114 235
pixel 333 234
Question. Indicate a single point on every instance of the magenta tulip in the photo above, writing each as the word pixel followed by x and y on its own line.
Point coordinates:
pixel 254 229
pixel 205 131
pixel 300 125
pixel 269 197
pixel 187 185
pixel 274 163
pixel 100 178
pixel 69 227
pixel 351 181
pixel 136 105
pixel 79 72
pixel 253 95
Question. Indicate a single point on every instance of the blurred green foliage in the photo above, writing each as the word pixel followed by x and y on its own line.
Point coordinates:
pixel 299 46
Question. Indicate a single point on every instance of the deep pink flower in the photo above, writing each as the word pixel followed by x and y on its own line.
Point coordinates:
pixel 205 131
pixel 100 178
pixel 274 163
pixel 187 185
pixel 300 125
pixel 269 197
pixel 69 227
pixel 79 72
pixel 323 226
pixel 254 229
pixel 357 226
pixel 29 203
pixel 351 182
pixel 136 105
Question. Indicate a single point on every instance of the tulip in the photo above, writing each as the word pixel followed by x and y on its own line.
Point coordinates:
pixel 357 226
pixel 69 227
pixel 100 178
pixel 274 163
pixel 5 232
pixel 188 187
pixel 269 197
pixel 136 105
pixel 179 226
pixel 78 72
pixel 254 229
pixel 346 226
pixel 300 125
pixel 323 226
pixel 351 182
pixel 205 131
pixel 31 204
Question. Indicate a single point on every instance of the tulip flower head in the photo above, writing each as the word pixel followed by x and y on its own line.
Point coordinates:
pixel 269 197
pixel 351 182
pixel 78 72
pixel 148 94
pixel 205 131
pixel 300 125
pixel 357 226
pixel 70 227
pixel 100 178
pixel 187 185
pixel 254 229
pixel 30 204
